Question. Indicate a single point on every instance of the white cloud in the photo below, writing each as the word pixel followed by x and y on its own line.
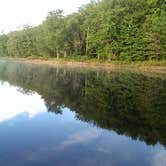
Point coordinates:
pixel 80 137
pixel 159 158
pixel 15 13
pixel 14 103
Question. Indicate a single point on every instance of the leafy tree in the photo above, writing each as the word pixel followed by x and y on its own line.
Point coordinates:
pixel 21 43
pixel 131 30
pixel 3 45
pixel 51 32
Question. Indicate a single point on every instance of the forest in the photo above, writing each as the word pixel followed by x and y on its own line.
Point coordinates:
pixel 131 30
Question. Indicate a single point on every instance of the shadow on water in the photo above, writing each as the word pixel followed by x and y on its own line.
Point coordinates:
pixel 132 104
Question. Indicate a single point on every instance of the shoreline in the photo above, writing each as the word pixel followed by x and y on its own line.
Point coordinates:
pixel 92 65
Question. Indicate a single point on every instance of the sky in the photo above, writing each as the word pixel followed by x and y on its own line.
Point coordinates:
pixel 16 13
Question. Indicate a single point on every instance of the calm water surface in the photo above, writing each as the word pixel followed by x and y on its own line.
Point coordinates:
pixel 72 117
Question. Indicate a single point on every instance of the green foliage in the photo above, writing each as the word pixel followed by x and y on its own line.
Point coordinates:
pixel 3 45
pixel 131 30
pixel 21 43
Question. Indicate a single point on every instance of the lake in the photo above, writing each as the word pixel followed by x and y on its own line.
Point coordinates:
pixel 79 117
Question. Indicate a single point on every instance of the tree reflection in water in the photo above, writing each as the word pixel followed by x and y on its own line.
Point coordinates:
pixel 129 103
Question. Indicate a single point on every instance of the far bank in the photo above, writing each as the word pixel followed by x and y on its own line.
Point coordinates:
pixel 149 66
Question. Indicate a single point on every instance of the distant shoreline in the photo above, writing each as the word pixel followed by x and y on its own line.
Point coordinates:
pixel 150 66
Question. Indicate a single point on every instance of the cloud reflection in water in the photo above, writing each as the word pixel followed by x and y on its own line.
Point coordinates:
pixel 13 103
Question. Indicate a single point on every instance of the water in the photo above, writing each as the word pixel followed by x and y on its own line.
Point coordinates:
pixel 72 117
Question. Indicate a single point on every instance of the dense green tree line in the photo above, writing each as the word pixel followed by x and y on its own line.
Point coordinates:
pixel 129 103
pixel 108 29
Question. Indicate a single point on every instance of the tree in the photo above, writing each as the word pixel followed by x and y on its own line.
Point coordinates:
pixel 51 32
pixel 3 45
pixel 130 30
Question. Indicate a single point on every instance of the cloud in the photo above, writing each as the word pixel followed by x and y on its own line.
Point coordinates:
pixel 80 137
pixel 15 13
pixel 14 103
pixel 43 153
pixel 159 158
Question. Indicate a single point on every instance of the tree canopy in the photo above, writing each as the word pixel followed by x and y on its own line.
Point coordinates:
pixel 107 29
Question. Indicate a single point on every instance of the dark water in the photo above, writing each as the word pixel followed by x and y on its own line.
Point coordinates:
pixel 71 117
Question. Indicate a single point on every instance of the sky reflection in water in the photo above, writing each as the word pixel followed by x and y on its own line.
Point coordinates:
pixel 14 102
pixel 30 135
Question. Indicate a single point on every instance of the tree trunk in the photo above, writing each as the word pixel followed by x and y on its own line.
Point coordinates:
pixel 87 43
pixel 57 54
pixel 65 54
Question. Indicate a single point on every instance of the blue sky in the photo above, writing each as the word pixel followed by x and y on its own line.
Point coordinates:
pixel 16 13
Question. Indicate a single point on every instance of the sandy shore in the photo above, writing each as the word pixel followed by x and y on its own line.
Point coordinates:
pixel 94 65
